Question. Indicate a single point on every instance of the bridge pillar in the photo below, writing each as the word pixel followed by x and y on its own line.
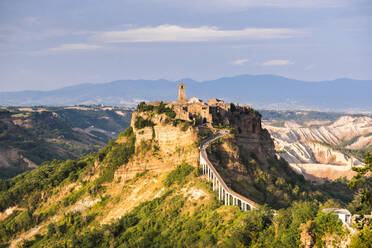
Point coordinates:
pixel 212 179
pixel 219 190
pixel 213 182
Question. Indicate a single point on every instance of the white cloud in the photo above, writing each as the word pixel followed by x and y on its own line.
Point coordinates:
pixel 174 33
pixel 240 61
pixel 68 48
pixel 276 62
pixel 73 47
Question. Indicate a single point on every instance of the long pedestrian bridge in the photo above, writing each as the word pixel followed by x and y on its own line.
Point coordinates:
pixel 225 194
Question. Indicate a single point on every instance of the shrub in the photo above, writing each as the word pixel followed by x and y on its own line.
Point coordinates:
pixel 126 133
pixel 179 174
pixel 142 123
pixel 186 126
pixel 143 107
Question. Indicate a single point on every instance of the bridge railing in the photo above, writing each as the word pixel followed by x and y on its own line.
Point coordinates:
pixel 220 183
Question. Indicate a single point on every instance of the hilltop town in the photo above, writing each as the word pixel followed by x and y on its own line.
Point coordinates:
pixel 214 112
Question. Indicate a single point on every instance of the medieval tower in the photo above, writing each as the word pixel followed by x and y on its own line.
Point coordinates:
pixel 181 93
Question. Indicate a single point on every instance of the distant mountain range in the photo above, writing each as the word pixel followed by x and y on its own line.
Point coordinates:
pixel 261 91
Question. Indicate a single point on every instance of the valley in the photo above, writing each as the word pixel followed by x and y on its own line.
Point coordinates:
pixel 32 136
pixel 186 124
pixel 321 148
pixel 147 184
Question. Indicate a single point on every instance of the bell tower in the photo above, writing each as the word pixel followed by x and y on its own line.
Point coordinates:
pixel 181 93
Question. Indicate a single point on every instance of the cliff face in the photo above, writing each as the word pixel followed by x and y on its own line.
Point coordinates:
pixel 317 149
pixel 161 147
pixel 247 161
pixel 250 136
pixel 347 132
pixel 163 142
pixel 246 158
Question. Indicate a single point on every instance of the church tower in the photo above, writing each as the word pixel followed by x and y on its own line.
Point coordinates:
pixel 181 93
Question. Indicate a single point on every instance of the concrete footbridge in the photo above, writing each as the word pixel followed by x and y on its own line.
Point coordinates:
pixel 225 194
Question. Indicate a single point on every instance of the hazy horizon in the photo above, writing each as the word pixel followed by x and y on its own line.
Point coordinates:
pixel 48 45
pixel 182 79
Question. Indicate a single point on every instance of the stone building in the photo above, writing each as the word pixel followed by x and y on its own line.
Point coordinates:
pixel 194 109
pixel 181 93
pixel 343 214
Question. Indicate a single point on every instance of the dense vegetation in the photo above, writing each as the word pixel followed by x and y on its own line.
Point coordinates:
pixel 171 220
pixel 174 218
pixel 30 189
pixel 272 182
pixel 362 204
pixel 116 154
pixel 42 134
pixel 142 123
pixel 158 109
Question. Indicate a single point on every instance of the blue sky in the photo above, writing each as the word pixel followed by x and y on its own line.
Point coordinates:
pixel 48 44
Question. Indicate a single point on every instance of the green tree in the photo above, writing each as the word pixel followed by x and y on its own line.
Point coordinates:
pixel 363 183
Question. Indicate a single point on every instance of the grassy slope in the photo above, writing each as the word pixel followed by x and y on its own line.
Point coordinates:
pixel 185 214
pixel 75 204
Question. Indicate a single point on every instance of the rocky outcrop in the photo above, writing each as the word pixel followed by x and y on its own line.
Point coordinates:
pixel 163 142
pixel 250 135
pixel 307 237
pixel 302 152
pixel 350 132
pixel 160 148
pixel 311 148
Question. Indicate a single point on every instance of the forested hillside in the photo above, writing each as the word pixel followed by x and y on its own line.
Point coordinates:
pixel 146 189
pixel 31 136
